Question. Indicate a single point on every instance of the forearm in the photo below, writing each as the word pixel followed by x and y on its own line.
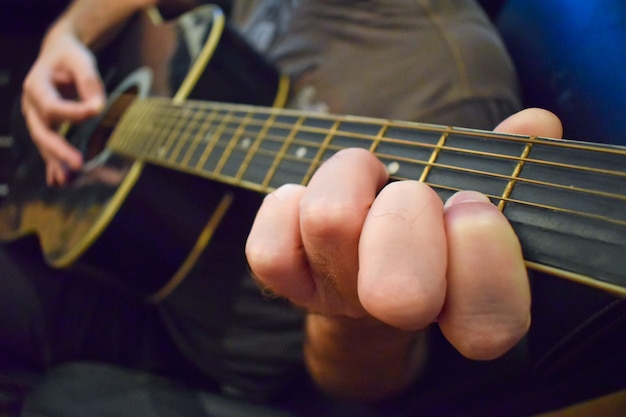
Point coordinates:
pixel 93 22
pixel 362 359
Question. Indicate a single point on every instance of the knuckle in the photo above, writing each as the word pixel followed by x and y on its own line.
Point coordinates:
pixel 45 112
pixel 29 81
pixel 284 193
pixel 258 256
pixel 263 260
pixel 325 218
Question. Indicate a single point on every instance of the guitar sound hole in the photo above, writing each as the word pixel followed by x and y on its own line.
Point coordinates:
pixel 106 123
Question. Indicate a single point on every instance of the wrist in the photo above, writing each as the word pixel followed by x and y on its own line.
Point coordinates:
pixel 362 358
pixel 90 21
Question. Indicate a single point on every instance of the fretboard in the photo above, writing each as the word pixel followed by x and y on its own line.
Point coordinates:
pixel 566 200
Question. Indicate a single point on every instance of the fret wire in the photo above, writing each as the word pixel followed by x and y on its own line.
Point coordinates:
pixel 286 157
pixel 508 137
pixel 433 157
pixel 569 166
pixel 185 138
pixel 128 128
pixel 205 128
pixel 503 157
pixel 178 131
pixel 516 173
pixel 254 148
pixel 232 142
pixel 510 178
pixel 280 155
pixel 174 136
pixel 149 115
pixel 266 126
pixel 417 128
pixel 324 146
pixel 483 135
pixel 153 110
pixel 163 115
pixel 530 204
pixel 502 176
pixel 379 137
pixel 549 142
pixel 213 140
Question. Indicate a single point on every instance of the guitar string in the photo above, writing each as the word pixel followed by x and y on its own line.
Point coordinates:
pixel 386 156
pixel 305 143
pixel 415 126
pixel 452 188
pixel 407 143
pixel 442 130
pixel 167 109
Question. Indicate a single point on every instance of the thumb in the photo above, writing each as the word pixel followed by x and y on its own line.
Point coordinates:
pixel 532 122
pixel 88 83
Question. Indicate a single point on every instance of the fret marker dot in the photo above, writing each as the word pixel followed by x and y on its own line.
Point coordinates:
pixel 245 143
pixel 301 152
pixel 161 151
pixel 393 168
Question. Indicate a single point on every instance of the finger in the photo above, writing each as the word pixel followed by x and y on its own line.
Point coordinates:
pixel 63 78
pixel 274 246
pixel 332 212
pixel 41 95
pixel 42 84
pixel 403 256
pixel 51 144
pixel 487 308
pixel 53 148
pixel 89 83
pixel 532 122
pixel 56 174
pixel 54 108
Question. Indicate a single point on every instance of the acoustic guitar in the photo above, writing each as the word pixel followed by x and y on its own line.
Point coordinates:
pixel 202 127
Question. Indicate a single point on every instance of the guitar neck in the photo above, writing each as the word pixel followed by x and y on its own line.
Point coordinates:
pixel 566 200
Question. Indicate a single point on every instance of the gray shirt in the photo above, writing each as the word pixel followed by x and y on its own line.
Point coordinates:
pixel 435 61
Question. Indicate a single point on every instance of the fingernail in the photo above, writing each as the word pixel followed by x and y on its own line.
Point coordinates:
pixel 282 192
pixel 466 197
pixel 96 103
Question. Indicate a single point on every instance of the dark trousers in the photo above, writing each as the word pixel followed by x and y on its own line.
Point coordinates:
pixel 51 316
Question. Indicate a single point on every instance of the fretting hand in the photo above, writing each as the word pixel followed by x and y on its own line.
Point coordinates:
pixel 347 246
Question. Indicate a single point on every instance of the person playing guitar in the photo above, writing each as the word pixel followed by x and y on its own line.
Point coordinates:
pixel 385 277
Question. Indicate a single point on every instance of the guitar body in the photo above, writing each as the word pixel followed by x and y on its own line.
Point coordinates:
pixel 136 225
